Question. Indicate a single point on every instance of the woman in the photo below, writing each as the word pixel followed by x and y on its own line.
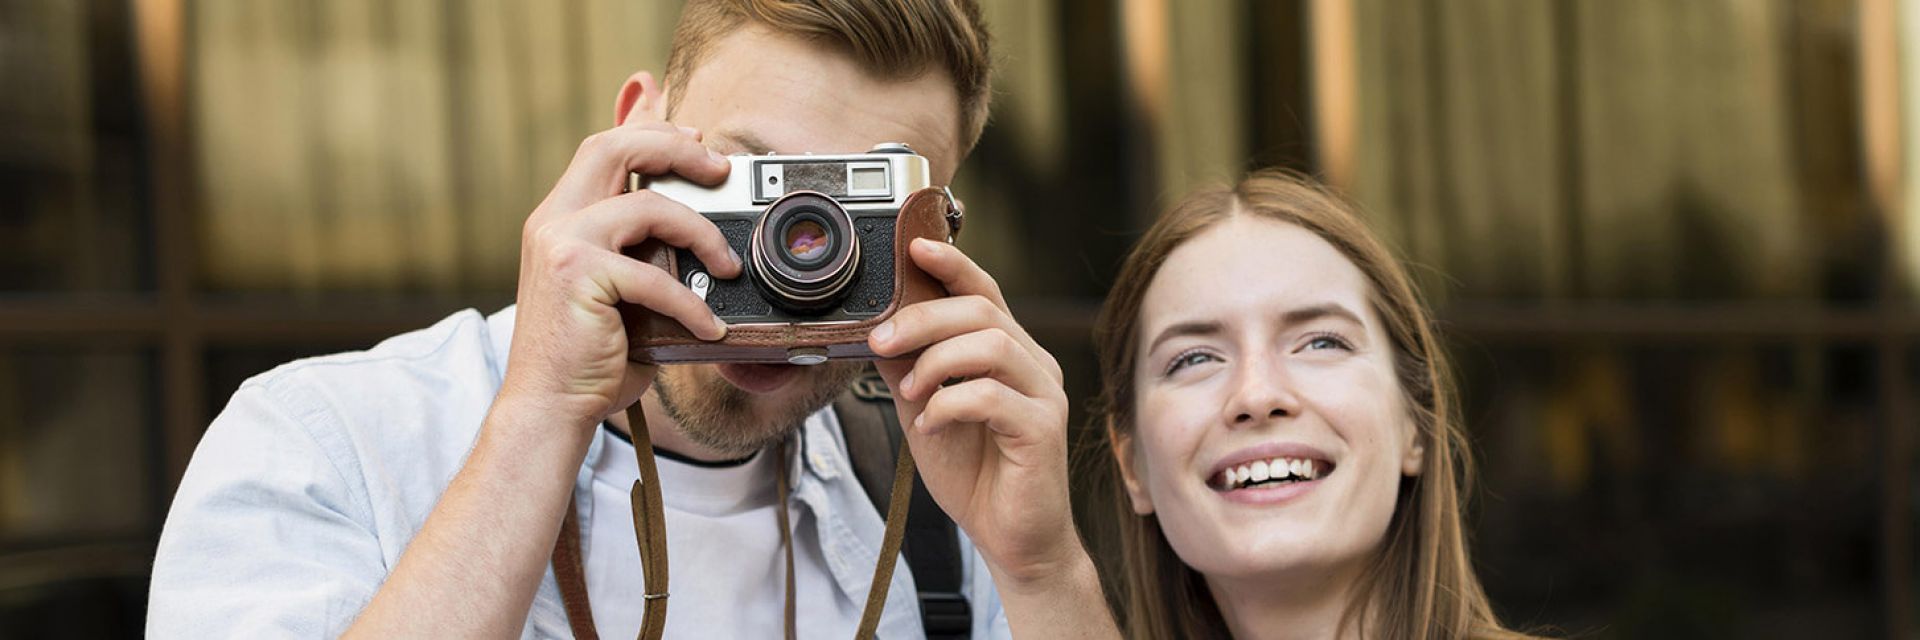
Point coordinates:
pixel 1289 463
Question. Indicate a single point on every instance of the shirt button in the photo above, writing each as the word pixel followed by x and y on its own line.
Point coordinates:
pixel 822 465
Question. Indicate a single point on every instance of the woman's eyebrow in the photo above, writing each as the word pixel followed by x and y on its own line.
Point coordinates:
pixel 1308 314
pixel 1298 316
pixel 1195 328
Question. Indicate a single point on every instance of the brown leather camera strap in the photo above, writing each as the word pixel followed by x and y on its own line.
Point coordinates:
pixel 650 532
pixel 569 571
pixel 889 544
pixel 649 528
pixel 786 534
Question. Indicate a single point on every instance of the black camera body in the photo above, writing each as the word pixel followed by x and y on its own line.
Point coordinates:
pixel 816 233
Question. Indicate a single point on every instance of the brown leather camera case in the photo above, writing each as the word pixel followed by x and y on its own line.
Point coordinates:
pixel 652 337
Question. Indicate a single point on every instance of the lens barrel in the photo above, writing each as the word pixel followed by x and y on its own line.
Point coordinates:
pixel 804 252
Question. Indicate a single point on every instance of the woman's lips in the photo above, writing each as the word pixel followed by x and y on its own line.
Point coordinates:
pixel 758 378
pixel 1270 494
pixel 1267 451
pixel 1269 473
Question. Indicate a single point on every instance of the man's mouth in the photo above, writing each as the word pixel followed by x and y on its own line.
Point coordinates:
pixel 1271 472
pixel 758 378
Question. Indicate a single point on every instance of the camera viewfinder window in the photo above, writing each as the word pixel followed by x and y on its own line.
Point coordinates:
pixel 867 180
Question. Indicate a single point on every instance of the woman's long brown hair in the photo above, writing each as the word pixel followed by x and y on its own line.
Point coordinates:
pixel 1421 583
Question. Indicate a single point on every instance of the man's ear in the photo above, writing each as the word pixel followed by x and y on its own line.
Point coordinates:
pixel 641 99
pixel 1123 454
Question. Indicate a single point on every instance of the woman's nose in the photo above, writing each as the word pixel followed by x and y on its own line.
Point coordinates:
pixel 1261 393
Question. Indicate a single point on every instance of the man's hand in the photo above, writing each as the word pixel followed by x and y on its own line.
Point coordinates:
pixel 986 417
pixel 987 420
pixel 472 569
pixel 569 358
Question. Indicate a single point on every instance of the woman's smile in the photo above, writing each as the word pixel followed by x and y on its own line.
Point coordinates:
pixel 1268 474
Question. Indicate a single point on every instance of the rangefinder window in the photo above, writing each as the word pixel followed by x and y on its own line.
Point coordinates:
pixel 853 181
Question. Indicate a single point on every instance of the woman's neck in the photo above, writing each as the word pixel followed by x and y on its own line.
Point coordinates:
pixel 1299 604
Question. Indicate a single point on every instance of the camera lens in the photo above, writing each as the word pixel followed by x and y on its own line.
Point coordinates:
pixel 806 241
pixel 804 252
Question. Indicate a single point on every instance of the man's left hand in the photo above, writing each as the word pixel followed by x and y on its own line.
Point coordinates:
pixel 986 415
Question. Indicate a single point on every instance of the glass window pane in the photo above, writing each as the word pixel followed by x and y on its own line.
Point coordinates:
pixel 69 150
pixel 79 490
pixel 440 126
pixel 1679 491
pixel 75 432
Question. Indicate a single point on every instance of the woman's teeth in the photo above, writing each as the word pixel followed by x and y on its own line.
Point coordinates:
pixel 1268 471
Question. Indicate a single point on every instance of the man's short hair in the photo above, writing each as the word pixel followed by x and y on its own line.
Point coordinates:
pixel 893 39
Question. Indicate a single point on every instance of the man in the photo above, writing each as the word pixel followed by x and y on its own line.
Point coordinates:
pixel 417 489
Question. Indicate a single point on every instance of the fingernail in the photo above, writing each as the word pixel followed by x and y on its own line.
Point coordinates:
pixel 884 332
pixel 715 155
pixel 719 328
pixel 906 383
pixel 919 420
pixel 926 245
pixel 737 263
pixel 690 131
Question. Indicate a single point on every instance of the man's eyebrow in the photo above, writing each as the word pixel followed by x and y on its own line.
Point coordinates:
pixel 1196 328
pixel 745 141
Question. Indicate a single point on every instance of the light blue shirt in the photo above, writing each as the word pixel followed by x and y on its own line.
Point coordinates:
pixel 307 488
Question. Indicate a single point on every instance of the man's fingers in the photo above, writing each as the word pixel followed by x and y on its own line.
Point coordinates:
pixel 982 402
pixel 892 371
pixel 925 323
pixel 661 150
pixel 600 167
pixel 631 281
pixel 664 126
pixel 630 218
pixel 955 270
pixel 987 353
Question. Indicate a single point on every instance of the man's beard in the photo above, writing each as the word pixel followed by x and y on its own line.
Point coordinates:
pixel 719 416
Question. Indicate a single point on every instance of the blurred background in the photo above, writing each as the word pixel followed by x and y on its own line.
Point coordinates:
pixel 1674 246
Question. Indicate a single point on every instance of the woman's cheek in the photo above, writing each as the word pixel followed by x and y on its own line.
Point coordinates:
pixel 1174 424
pixel 1176 420
pixel 1356 401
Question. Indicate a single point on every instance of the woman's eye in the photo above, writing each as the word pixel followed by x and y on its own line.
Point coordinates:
pixel 1328 341
pixel 1187 359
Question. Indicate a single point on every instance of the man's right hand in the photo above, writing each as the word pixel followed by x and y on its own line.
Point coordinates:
pixel 569 354
pixel 472 569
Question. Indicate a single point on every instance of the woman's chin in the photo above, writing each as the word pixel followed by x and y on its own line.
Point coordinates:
pixel 1245 543
pixel 1278 557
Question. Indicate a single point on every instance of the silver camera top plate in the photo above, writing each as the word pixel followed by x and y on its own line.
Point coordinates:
pixel 861 181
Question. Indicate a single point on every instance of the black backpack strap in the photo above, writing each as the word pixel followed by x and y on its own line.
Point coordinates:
pixel 932 548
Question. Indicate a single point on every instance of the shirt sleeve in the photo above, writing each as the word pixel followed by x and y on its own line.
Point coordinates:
pixel 269 535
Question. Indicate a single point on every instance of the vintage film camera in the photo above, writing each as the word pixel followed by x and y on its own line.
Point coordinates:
pixel 824 239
